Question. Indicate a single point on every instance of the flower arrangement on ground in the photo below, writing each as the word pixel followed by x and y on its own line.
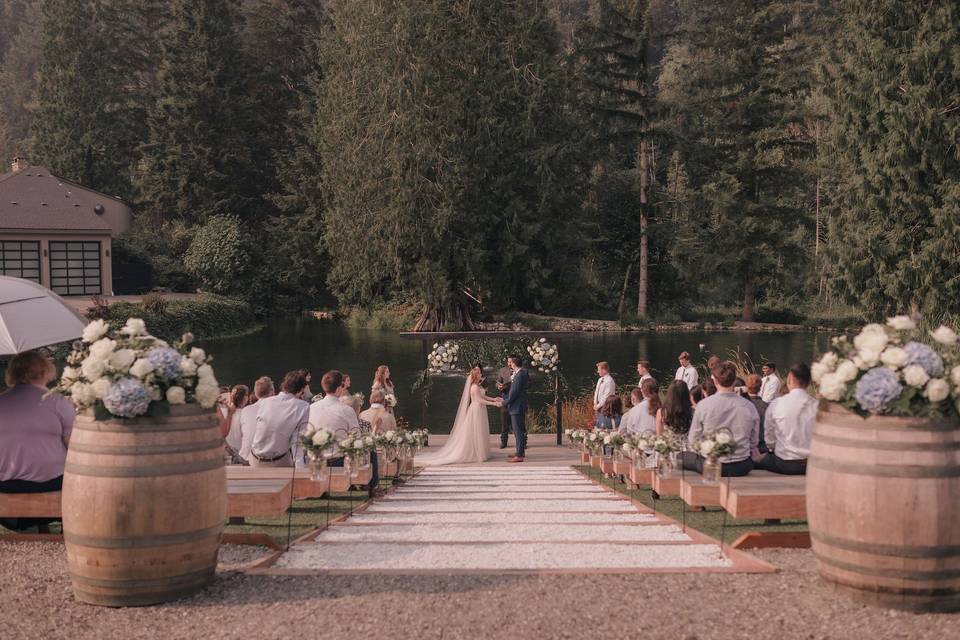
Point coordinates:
pixel 128 373
pixel 544 356
pixel 576 437
pixel 613 442
pixel 593 441
pixel 443 358
pixel 893 369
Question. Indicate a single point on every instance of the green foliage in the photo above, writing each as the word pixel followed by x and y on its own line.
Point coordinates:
pixel 208 316
pixel 891 85
pixel 219 256
pixel 19 58
pixel 159 251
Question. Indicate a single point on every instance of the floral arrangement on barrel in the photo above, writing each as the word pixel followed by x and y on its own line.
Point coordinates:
pixel 127 373
pixel 893 369
pixel 544 356
pixel 443 358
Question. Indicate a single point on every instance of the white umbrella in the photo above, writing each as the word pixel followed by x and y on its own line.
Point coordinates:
pixel 32 316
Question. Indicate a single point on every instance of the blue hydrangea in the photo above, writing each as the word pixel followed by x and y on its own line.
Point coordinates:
pixel 127 398
pixel 877 389
pixel 165 361
pixel 926 357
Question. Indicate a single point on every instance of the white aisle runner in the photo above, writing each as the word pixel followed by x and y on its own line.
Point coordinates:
pixel 453 519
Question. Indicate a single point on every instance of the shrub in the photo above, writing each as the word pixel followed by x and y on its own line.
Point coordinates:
pixel 207 316
pixel 220 254
pixel 154 303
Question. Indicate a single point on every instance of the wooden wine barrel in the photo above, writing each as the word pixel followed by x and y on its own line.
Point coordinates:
pixel 144 504
pixel 883 504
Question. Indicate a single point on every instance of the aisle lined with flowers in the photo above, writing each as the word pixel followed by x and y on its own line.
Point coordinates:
pixel 489 518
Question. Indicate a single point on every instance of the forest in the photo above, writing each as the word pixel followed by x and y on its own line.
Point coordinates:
pixel 632 159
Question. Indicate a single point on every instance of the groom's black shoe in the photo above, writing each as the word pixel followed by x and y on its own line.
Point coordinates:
pixel 503 445
pixel 515 459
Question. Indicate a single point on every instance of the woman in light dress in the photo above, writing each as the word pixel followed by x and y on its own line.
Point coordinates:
pixel 229 415
pixel 469 440
pixel 382 382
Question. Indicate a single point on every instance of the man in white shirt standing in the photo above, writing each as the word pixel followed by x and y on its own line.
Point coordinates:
pixel 788 426
pixel 606 387
pixel 280 419
pixel 687 372
pixel 643 370
pixel 770 385
pixel 262 388
pixel 330 413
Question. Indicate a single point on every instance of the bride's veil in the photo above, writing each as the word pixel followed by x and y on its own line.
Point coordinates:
pixel 462 409
pixel 459 438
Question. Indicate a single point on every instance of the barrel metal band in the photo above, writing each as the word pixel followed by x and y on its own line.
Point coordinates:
pixel 145 471
pixel 897 592
pixel 918 426
pixel 893 550
pixel 890 446
pixel 133 583
pixel 150 427
pixel 894 574
pixel 139 542
pixel 147 449
pixel 884 470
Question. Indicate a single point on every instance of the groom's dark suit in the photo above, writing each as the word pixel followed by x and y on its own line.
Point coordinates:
pixel 516 405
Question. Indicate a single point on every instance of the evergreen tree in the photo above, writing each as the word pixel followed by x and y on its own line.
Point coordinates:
pixel 892 86
pixel 196 161
pixel 19 59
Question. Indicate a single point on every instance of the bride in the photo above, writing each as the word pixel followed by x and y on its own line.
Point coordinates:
pixel 469 439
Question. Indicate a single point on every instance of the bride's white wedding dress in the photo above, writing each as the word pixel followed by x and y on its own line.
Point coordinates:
pixel 469 440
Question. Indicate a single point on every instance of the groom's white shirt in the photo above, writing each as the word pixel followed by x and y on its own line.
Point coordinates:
pixel 606 387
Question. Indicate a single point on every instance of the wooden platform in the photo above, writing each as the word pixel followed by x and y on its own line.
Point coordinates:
pixel 389 469
pixel 696 493
pixel 258 497
pixel 642 477
pixel 668 485
pixel 30 505
pixel 303 485
pixel 765 496
pixel 622 468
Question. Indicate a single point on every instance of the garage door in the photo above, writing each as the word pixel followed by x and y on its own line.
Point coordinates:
pixel 75 267
pixel 20 259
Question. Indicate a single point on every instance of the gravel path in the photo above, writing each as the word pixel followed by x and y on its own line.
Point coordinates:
pixel 530 518
pixel 35 602
pixel 499 506
pixel 494 532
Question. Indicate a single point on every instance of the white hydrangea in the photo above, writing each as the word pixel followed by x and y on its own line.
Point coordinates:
pixel 954 375
pixel 915 376
pixel 894 357
pixel 867 359
pixel 95 330
pixel 188 367
pixel 832 387
pixel 141 368
pixel 872 337
pixel 901 323
pixel 83 394
pixel 829 360
pixel 100 388
pixel 121 359
pixel 847 371
pixel 92 368
pixel 176 395
pixel 134 327
pixel 206 394
pixel 938 390
pixel 706 447
pixel 321 437
pixel 723 437
pixel 205 372
pixel 71 374
pixel 817 371
pixel 103 348
pixel 945 335
pixel 198 355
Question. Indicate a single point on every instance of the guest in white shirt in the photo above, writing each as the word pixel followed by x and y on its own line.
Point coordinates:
pixel 606 387
pixel 380 419
pixel 330 413
pixel 229 414
pixel 639 418
pixel 687 372
pixel 789 426
pixel 643 370
pixel 280 419
pixel 770 385
pixel 262 388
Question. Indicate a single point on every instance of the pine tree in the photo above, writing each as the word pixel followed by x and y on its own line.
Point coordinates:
pixel 196 162
pixel 19 59
pixel 895 194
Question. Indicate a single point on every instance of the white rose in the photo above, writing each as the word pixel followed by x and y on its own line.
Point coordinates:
pixel 847 371
pixel 954 375
pixel 901 323
pixel 873 337
pixel 121 359
pixel 817 371
pixel 832 387
pixel 141 368
pixel 915 376
pixel 606 440
pixel 95 330
pixel 938 390
pixel 829 360
pixel 198 355
pixel 70 374
pixel 92 368
pixel 176 395
pixel 100 388
pixel 320 438
pixel 188 367
pixel 103 348
pixel 894 357
pixel 867 359
pixel 944 335
pixel 723 437
pixel 205 372
pixel 134 327
pixel 389 434
pixel 369 441
pixel 346 444
pixel 706 447
pixel 83 394
pixel 309 431
pixel 206 394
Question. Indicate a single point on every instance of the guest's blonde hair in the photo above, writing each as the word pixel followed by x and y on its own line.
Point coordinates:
pixel 29 367
pixel 381 378
pixel 354 402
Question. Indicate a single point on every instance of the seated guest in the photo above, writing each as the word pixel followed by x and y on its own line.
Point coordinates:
pixel 676 414
pixel 732 411
pixel 789 421
pixel 229 414
pixel 708 388
pixel 307 393
pixel 378 416
pixel 609 416
pixel 330 413
pixel 633 421
pixel 280 419
pixel 34 432
pixel 262 388
pixel 753 385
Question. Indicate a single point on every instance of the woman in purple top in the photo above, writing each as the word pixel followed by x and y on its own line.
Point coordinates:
pixel 34 428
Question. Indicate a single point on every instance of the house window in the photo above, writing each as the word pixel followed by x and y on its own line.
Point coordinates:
pixel 75 267
pixel 20 259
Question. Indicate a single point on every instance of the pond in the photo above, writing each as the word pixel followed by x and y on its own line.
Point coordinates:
pixel 319 345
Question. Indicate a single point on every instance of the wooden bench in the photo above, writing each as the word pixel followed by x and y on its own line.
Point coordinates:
pixel 765 496
pixel 30 505
pixel 389 469
pixel 258 497
pixel 667 485
pixel 642 477
pixel 303 485
pixel 696 493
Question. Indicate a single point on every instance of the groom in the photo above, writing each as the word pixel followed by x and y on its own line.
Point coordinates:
pixel 516 405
